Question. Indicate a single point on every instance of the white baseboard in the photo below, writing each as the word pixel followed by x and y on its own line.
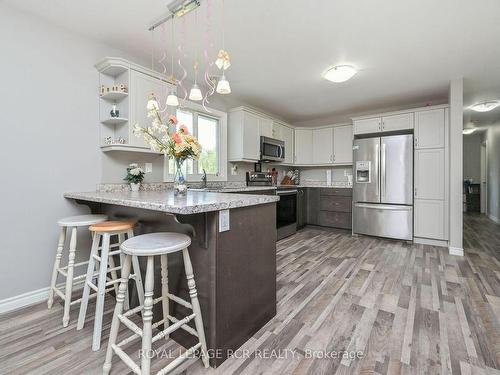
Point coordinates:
pixel 456 251
pixel 428 241
pixel 494 218
pixel 30 298
pixel 23 300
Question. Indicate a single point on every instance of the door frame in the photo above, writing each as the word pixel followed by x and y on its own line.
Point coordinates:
pixel 484 144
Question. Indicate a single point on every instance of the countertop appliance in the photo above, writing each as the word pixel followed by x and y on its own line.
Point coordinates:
pixel 271 149
pixel 286 207
pixel 383 186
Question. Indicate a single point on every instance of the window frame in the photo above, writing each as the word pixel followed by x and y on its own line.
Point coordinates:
pixel 221 117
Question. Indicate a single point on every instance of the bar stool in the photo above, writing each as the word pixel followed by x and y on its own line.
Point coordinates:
pixel 69 224
pixel 149 245
pixel 98 263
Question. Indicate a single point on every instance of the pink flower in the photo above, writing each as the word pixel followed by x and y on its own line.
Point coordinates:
pixel 177 138
pixel 173 119
pixel 184 129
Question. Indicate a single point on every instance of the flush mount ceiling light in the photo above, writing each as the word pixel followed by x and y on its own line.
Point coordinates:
pixel 468 131
pixel 340 73
pixel 485 106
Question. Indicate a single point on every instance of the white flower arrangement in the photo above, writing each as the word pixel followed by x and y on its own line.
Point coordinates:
pixel 135 174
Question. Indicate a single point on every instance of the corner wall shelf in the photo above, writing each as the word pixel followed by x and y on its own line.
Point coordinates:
pixel 114 96
pixel 125 147
pixel 114 120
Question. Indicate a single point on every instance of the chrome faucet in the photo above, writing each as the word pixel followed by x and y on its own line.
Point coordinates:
pixel 204 179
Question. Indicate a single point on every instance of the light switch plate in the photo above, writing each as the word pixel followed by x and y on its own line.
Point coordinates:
pixel 223 220
pixel 148 167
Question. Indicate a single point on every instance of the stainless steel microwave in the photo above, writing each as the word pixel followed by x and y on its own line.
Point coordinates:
pixel 271 149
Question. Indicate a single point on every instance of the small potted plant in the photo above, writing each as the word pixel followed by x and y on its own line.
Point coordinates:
pixel 135 175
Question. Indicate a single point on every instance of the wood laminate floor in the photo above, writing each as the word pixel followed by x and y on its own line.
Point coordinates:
pixel 406 308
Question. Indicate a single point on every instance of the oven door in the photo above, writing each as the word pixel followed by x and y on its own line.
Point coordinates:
pixel 286 213
pixel 271 149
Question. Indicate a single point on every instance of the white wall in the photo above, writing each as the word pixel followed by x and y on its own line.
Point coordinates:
pixel 493 171
pixel 48 117
pixel 472 157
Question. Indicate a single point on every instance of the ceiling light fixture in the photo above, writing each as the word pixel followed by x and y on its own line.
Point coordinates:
pixel 223 85
pixel 195 93
pixel 485 106
pixel 468 131
pixel 340 73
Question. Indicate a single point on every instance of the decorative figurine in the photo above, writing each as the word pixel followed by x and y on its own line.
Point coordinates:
pixel 114 112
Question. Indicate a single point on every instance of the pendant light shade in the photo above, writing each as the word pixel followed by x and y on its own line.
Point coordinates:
pixel 172 99
pixel 195 93
pixel 223 85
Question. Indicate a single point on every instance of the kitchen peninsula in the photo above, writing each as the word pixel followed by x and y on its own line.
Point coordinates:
pixel 235 267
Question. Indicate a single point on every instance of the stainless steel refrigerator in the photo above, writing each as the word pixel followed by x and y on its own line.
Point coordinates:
pixel 383 186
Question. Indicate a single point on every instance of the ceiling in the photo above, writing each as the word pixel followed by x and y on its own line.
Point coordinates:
pixel 406 51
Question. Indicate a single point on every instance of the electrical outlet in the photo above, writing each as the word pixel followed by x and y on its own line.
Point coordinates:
pixel 148 167
pixel 223 220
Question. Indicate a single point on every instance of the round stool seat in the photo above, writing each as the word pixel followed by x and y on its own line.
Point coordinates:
pixel 112 226
pixel 155 244
pixel 82 220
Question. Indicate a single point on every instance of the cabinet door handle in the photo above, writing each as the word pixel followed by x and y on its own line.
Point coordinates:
pixel 416 142
pixel 379 126
pixel 415 192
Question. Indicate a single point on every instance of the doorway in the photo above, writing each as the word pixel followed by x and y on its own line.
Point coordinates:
pixel 484 178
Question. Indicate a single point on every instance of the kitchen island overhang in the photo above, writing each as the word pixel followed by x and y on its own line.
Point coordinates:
pixel 235 270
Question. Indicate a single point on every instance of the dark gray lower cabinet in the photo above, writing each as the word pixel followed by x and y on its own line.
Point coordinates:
pixel 329 207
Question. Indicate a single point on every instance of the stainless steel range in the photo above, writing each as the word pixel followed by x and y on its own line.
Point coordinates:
pixel 286 207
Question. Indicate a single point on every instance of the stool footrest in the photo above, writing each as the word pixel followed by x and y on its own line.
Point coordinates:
pixel 185 327
pixel 176 362
pixel 130 324
pixel 134 337
pixel 173 328
pixel 180 301
pixel 128 361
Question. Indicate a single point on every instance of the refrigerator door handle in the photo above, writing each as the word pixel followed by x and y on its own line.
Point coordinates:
pixel 383 207
pixel 383 178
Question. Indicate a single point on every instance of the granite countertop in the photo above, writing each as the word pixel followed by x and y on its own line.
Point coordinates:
pixel 165 201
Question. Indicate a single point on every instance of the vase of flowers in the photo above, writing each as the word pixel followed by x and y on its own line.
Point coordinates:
pixel 134 176
pixel 176 142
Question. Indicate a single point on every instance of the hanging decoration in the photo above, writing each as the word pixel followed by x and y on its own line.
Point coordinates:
pixel 178 94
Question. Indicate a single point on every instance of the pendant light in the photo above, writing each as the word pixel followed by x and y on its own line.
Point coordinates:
pixel 172 99
pixel 223 61
pixel 223 85
pixel 195 93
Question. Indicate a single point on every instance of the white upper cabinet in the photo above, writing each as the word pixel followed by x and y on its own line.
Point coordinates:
pixel 265 127
pixel 141 87
pixel 322 146
pixel 342 144
pixel 381 123
pixel 369 125
pixel 243 136
pixel 430 129
pixel 397 122
pixel 285 133
pixel 303 146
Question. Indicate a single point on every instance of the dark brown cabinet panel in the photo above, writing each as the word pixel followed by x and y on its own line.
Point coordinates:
pixel 335 219
pixel 335 203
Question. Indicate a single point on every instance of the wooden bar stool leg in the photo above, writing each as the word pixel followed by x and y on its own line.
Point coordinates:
pixel 115 324
pixel 198 320
pixel 101 293
pixel 114 275
pixel 86 288
pixel 121 238
pixel 57 263
pixel 69 277
pixel 138 279
pixel 164 291
pixel 147 317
